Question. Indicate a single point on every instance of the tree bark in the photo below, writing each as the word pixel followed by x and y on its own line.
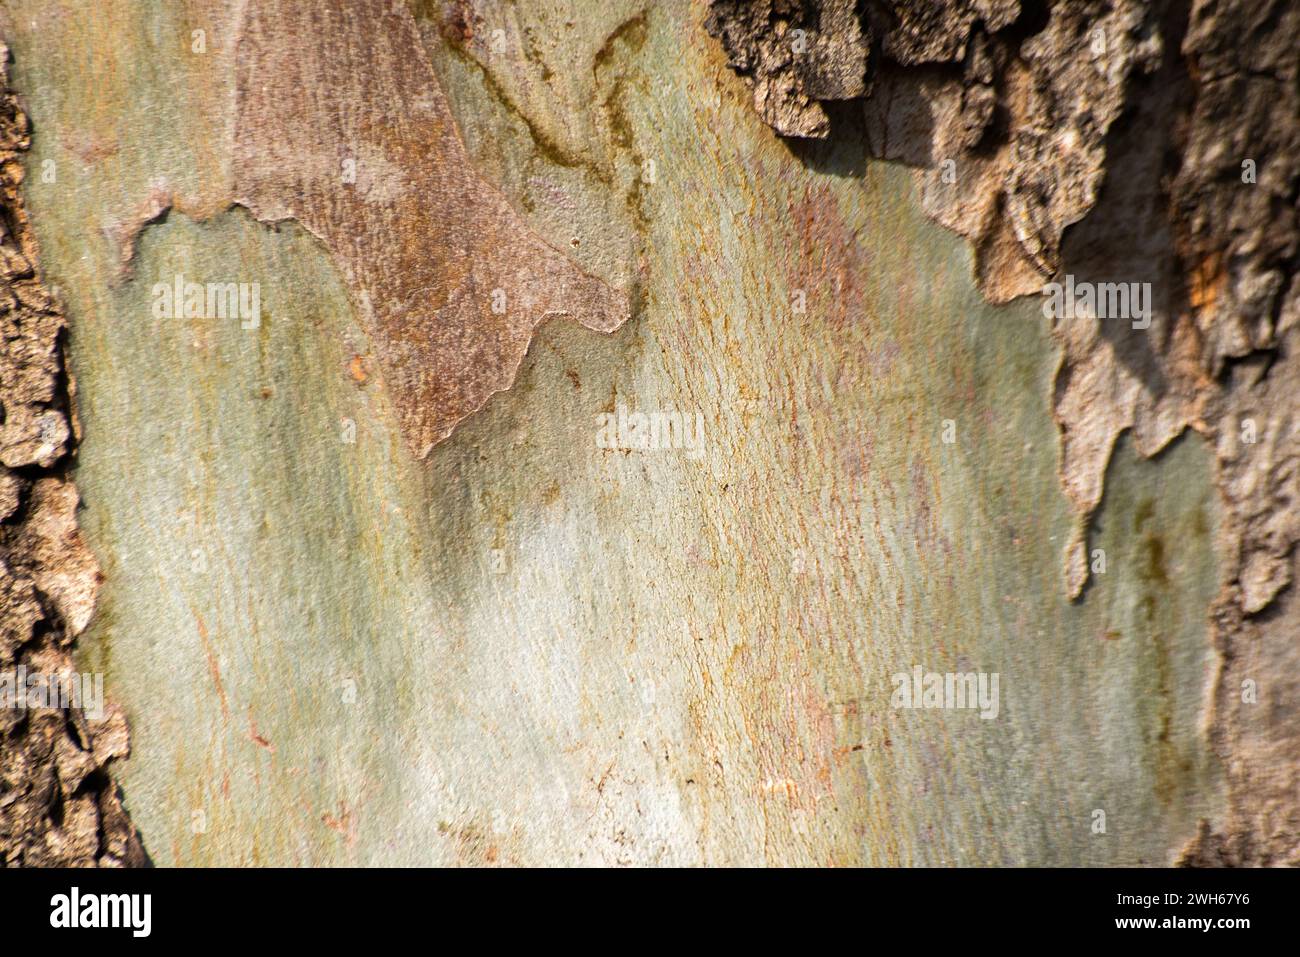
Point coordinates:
pixel 391 576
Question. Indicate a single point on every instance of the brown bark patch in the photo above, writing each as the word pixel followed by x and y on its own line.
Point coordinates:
pixel 341 125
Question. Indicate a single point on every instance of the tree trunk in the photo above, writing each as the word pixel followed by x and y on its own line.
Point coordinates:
pixel 392 573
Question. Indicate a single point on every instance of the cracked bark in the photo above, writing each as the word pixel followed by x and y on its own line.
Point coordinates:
pixel 59 806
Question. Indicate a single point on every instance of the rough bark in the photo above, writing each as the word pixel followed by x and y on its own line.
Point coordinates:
pixel 1163 135
pixel 58 804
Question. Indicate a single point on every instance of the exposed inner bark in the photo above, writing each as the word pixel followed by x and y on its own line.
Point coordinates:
pixel 1142 141
pixel 58 804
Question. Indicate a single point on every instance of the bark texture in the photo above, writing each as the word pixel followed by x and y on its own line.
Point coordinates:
pixel 59 806
pixel 1163 136
pixel 352 622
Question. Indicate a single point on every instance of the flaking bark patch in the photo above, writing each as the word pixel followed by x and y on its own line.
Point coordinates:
pixel 797 54
pixel 336 120
pixel 58 804
pixel 452 281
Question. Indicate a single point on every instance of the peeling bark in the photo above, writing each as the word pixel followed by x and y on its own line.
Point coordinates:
pixel 1115 142
pixel 798 54
pixel 454 285
pixel 1135 124
pixel 58 804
